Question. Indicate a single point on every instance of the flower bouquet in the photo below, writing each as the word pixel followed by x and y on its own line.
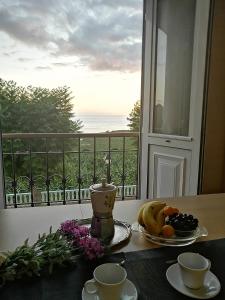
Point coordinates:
pixel 80 238
pixel 60 248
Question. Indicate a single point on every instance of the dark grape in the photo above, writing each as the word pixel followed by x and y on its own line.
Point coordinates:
pixel 182 222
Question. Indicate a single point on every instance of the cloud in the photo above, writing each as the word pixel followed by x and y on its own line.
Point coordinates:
pixel 135 4
pixel 24 29
pixel 60 64
pixel 25 59
pixel 9 53
pixel 27 21
pixel 43 68
pixel 101 34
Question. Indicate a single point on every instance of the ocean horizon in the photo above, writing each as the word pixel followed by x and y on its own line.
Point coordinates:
pixel 101 123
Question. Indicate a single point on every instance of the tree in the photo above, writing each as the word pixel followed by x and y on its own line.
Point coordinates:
pixel 134 117
pixel 36 109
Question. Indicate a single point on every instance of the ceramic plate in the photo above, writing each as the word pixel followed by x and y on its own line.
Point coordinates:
pixel 129 293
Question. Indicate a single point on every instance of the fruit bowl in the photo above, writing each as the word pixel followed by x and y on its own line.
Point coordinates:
pixel 174 241
pixel 166 225
pixel 185 233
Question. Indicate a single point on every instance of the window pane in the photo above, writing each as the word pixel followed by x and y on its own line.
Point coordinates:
pixel 69 67
pixel 175 32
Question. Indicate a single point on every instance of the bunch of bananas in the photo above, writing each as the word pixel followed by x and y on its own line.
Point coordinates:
pixel 151 216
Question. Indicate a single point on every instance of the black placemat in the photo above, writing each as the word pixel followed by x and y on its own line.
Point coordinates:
pixel 146 269
pixel 63 284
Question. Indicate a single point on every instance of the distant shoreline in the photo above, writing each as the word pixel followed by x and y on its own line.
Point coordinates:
pixel 101 116
pixel 102 123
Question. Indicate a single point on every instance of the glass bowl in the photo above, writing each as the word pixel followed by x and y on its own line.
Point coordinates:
pixel 185 233
pixel 175 241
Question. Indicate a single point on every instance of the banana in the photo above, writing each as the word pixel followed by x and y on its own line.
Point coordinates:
pixel 140 215
pixel 160 218
pixel 141 209
pixel 149 215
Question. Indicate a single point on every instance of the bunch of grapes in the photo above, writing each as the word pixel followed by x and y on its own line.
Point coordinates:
pixel 182 223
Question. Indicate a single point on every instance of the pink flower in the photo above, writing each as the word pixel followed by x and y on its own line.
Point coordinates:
pixel 71 227
pixel 79 236
pixel 92 247
pixel 84 231
pixel 68 226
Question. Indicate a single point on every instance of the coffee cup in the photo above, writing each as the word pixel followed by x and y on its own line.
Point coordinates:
pixel 108 281
pixel 193 268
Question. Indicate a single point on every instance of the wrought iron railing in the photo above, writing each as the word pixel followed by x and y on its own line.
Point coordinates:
pixel 58 168
pixel 56 197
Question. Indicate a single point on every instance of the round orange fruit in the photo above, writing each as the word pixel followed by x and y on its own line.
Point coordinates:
pixel 167 231
pixel 169 210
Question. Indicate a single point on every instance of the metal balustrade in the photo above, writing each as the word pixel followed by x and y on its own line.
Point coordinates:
pixel 24 199
pixel 58 168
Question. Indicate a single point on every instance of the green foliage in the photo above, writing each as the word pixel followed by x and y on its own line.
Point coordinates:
pixel 134 117
pixel 71 163
pixel 36 109
pixel 44 110
pixel 50 250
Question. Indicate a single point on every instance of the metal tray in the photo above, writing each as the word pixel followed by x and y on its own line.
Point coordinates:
pixel 122 231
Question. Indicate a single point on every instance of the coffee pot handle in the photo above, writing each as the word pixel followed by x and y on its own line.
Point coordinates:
pixel 104 182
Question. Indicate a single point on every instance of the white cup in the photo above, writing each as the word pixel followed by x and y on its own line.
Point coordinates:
pixel 108 281
pixel 193 267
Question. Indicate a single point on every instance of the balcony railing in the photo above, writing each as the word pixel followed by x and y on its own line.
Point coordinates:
pixel 58 168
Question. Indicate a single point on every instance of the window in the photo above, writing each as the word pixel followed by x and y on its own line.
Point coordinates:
pixel 75 67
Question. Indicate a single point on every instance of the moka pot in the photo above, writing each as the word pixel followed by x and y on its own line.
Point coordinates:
pixel 103 199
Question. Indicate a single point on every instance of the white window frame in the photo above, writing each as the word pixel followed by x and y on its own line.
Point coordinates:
pixel 2 197
pixel 148 68
pixel 149 13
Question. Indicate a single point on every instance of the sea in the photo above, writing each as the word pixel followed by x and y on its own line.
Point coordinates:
pixel 102 123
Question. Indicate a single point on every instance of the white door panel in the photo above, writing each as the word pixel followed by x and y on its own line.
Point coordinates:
pixel 170 172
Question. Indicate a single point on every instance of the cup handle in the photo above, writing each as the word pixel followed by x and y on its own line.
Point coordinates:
pixel 90 287
pixel 209 262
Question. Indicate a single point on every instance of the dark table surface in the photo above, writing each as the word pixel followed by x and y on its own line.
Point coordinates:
pixel 146 269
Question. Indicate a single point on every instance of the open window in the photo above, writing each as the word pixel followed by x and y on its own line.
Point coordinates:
pixel 175 42
pixel 63 63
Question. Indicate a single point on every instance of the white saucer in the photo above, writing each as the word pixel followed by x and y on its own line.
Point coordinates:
pixel 211 287
pixel 129 293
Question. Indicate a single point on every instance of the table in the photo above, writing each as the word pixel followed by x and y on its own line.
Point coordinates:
pixel 18 224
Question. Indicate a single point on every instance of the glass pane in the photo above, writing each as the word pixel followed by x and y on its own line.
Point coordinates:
pixel 175 32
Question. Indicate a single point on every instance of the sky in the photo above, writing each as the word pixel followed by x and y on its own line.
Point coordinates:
pixel 92 46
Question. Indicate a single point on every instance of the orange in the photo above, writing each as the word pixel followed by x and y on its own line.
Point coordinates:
pixel 169 210
pixel 167 231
